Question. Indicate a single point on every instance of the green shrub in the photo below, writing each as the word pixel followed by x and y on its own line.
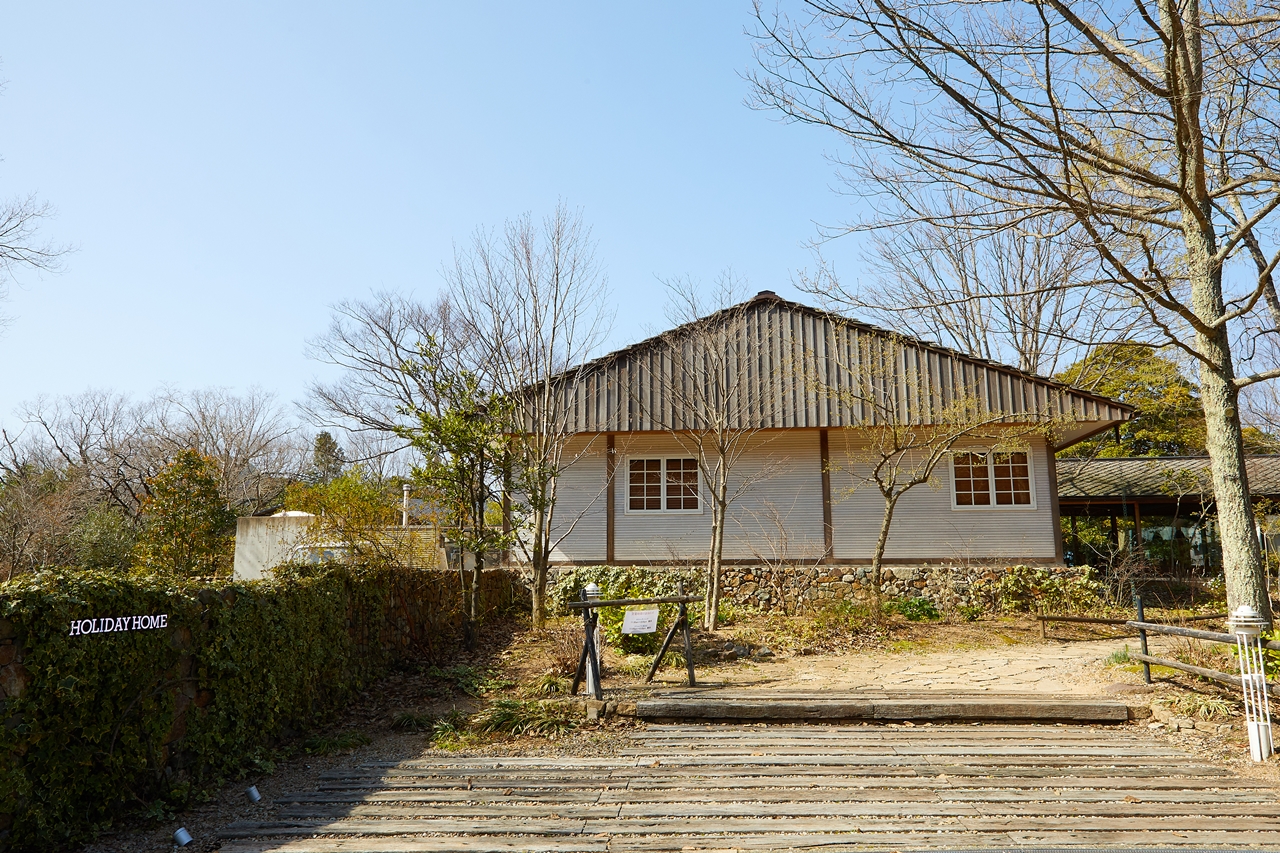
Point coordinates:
pixel 108 724
pixel 971 612
pixel 917 609
pixel 630 582
pixel 1026 589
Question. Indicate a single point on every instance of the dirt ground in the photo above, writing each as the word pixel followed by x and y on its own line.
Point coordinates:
pixel 1000 655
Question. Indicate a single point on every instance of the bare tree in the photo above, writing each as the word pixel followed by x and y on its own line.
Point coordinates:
pixel 117 444
pixel 532 299
pixel 1151 129
pixel 701 399
pixel 1007 296
pixel 20 245
pixel 371 342
pixel 908 428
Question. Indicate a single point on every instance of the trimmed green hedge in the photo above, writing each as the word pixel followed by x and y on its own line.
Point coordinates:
pixel 96 726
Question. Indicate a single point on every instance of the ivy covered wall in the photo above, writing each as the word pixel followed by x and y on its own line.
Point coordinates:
pixel 97 723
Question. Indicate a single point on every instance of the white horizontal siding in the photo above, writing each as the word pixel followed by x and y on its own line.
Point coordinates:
pixel 926 527
pixel 579 517
pixel 778 515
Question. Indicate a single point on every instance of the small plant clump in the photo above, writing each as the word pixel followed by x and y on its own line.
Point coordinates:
pixel 412 721
pixel 917 609
pixel 1119 657
pixel 328 744
pixel 971 612
pixel 1202 705
pixel 549 684
pixel 516 717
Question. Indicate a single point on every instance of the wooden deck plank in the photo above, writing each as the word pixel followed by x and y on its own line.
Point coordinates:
pixel 701 787
pixel 838 843
pixel 496 826
pixel 419 844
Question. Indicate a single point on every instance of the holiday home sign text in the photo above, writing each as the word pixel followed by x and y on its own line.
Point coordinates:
pixel 121 623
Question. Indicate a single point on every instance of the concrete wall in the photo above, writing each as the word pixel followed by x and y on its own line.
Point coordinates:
pixel 268 541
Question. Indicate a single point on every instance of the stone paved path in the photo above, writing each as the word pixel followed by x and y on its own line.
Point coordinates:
pixel 1059 668
pixel 829 788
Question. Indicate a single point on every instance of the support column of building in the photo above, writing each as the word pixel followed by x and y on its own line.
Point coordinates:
pixel 610 464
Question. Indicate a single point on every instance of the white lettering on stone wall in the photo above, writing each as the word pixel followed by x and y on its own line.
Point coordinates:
pixel 111 624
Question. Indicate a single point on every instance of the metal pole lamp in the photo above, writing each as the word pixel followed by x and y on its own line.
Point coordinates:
pixel 1247 624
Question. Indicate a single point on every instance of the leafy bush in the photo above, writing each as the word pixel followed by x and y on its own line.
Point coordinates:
pixel 1026 589
pixel 971 612
pixel 917 609
pixel 102 725
pixel 630 582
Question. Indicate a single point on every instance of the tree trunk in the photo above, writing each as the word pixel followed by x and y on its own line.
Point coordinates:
pixel 877 559
pixel 711 619
pixel 471 632
pixel 539 559
pixel 1241 558
pixel 716 556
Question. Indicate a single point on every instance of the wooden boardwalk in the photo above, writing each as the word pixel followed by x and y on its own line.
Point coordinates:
pixel 827 788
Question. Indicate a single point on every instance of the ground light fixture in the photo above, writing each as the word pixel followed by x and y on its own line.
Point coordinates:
pixel 1247 624
pixel 252 793
pixel 592 593
pixel 182 838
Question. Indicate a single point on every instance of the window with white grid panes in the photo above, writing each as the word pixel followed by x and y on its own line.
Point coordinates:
pixel 663 485
pixel 1000 479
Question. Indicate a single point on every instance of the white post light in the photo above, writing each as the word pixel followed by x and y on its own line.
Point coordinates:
pixel 1247 624
pixel 593 676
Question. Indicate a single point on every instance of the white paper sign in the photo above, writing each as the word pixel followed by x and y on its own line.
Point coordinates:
pixel 640 621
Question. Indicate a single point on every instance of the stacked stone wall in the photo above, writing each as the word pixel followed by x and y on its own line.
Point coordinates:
pixel 797 588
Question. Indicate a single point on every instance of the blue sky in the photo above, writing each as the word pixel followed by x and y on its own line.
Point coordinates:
pixel 229 171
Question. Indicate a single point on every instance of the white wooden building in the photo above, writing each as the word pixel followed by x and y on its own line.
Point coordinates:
pixel 632 494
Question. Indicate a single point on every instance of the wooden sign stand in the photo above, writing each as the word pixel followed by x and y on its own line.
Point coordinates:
pixel 589 660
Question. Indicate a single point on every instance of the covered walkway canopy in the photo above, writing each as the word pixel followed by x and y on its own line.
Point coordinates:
pixel 1165 503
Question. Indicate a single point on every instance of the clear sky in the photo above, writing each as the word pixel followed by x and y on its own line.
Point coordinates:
pixel 229 171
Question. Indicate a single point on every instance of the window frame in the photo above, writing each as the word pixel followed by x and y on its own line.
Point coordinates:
pixel 662 458
pixel 991 480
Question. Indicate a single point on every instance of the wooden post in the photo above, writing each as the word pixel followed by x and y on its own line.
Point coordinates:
pixel 666 644
pixel 1142 639
pixel 1137 530
pixel 589 660
pixel 688 643
pixel 610 471
pixel 828 528
pixel 681 624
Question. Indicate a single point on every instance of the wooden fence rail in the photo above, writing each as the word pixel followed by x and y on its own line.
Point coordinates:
pixel 1045 619
pixel 1147 660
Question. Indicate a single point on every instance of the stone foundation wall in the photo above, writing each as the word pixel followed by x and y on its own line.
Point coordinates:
pixel 799 588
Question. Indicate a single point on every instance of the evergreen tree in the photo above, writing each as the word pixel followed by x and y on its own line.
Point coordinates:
pixel 186 525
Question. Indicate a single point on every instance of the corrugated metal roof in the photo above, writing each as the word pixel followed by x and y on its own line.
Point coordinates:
pixel 1156 477
pixel 779 364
